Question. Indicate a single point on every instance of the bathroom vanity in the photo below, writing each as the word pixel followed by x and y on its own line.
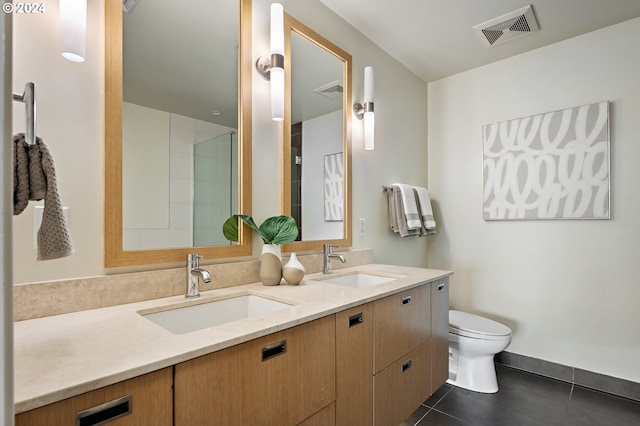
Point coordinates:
pixel 337 354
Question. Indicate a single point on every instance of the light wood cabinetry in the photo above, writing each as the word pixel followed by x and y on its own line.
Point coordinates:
pixel 402 387
pixel 372 364
pixel 394 359
pixel 280 379
pixel 150 403
pixel 401 323
pixel 439 333
pixel 402 356
pixel 354 363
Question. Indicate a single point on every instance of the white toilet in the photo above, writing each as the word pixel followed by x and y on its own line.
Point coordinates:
pixel 473 342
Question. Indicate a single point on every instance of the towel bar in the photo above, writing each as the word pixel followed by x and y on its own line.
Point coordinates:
pixel 29 99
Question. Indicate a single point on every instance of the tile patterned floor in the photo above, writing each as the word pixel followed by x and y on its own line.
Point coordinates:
pixel 527 400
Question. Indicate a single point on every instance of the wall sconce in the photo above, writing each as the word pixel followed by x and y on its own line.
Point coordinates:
pixel 366 111
pixel 73 25
pixel 272 68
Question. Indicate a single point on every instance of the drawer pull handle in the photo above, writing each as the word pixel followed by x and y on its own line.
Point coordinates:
pixel 104 412
pixel 356 319
pixel 406 300
pixel 406 366
pixel 441 287
pixel 274 349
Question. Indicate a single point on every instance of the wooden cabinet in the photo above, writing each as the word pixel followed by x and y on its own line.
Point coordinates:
pixel 354 363
pixel 280 379
pixel 391 355
pixel 439 333
pixel 370 364
pixel 402 387
pixel 401 323
pixel 144 400
pixel 402 356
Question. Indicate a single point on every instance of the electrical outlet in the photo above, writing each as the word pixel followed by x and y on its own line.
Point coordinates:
pixel 362 228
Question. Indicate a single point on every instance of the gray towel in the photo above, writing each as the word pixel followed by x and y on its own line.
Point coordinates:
pixel 397 218
pixel 35 179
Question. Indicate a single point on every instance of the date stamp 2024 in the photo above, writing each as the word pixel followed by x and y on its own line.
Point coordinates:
pixel 24 8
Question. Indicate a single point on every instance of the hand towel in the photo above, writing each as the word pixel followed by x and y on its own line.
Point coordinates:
pixel 409 213
pixel 397 217
pixel 38 180
pixel 426 212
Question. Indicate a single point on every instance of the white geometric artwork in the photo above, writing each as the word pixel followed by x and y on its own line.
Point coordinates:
pixel 548 166
pixel 333 187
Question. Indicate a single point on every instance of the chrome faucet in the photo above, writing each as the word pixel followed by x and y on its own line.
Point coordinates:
pixel 194 273
pixel 328 255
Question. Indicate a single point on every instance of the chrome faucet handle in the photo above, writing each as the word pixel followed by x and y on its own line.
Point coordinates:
pixel 193 260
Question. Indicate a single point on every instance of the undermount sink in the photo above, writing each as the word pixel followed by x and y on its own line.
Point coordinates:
pixel 185 319
pixel 358 280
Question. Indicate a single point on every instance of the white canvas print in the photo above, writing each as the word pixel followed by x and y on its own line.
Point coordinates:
pixel 548 166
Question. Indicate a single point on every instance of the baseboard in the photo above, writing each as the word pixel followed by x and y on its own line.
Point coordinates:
pixel 576 376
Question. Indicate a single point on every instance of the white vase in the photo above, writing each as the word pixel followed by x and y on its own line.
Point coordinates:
pixel 271 264
pixel 293 271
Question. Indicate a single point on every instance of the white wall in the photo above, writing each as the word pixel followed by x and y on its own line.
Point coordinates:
pixel 568 288
pixel 70 118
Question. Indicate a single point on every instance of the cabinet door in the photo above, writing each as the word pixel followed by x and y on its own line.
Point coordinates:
pixel 402 322
pixel 439 333
pixel 354 363
pixel 150 404
pixel 401 388
pixel 279 379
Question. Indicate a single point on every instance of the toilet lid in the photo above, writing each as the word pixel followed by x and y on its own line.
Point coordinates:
pixel 474 324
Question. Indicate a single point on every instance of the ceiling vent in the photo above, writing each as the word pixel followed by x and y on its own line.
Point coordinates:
pixel 507 27
pixel 331 90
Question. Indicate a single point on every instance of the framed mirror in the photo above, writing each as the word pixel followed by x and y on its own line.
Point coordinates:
pixel 316 140
pixel 177 129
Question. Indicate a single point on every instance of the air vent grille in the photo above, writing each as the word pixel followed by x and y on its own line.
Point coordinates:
pixel 507 27
pixel 331 90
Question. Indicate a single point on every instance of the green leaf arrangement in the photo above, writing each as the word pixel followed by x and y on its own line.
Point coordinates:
pixel 274 230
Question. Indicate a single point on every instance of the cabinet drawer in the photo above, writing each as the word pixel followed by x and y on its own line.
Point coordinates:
pixel 279 379
pixel 150 402
pixel 400 388
pixel 354 362
pixel 402 322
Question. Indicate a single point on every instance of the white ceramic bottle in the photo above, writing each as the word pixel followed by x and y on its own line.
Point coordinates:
pixel 293 271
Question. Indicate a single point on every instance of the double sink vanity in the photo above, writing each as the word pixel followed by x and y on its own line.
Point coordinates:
pixel 365 345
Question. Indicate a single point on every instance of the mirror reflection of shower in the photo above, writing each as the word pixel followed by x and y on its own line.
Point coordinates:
pixel 215 189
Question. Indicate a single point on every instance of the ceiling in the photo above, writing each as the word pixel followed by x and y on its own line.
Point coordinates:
pixel 435 38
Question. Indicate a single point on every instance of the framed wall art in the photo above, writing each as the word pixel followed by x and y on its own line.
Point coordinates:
pixel 333 187
pixel 548 166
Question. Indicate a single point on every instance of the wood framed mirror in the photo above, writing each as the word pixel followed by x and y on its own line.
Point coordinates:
pixel 157 208
pixel 316 140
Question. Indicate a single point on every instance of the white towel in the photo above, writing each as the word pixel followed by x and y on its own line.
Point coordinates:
pixel 426 212
pixel 409 206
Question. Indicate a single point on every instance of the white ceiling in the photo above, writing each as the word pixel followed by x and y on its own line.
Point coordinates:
pixel 435 38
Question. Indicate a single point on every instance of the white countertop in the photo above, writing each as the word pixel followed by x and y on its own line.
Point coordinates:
pixel 61 356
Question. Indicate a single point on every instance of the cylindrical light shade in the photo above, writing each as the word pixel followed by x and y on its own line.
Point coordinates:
pixel 368 84
pixel 73 25
pixel 369 117
pixel 277 70
pixel 369 130
pixel 277 93
pixel 277 29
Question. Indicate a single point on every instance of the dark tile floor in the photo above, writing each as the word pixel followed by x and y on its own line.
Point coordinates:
pixel 527 400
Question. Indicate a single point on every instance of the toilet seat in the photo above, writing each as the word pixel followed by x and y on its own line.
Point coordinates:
pixel 473 326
